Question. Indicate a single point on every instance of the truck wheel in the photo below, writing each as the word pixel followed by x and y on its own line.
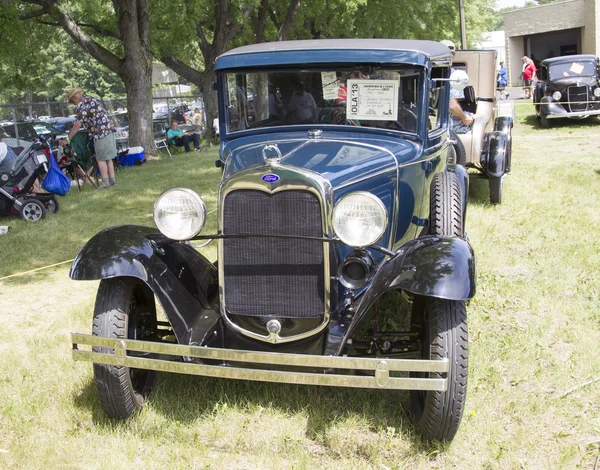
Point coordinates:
pixel 124 308
pixel 446 216
pixel 544 121
pixel 442 328
pixel 458 154
pixel 495 189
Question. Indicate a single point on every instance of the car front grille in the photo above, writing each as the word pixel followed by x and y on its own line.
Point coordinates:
pixel 578 98
pixel 273 277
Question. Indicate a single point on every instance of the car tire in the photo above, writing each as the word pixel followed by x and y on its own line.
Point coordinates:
pixel 446 214
pixel 495 189
pixel 52 206
pixel 537 107
pixel 124 308
pixel 460 153
pixel 544 121
pixel 31 210
pixel 442 327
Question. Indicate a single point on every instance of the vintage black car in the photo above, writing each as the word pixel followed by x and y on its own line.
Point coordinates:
pixel 342 259
pixel 567 88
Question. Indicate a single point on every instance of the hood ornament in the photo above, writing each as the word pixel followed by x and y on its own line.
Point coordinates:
pixel 271 154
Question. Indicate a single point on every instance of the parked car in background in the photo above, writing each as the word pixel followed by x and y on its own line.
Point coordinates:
pixel 342 259
pixel 25 129
pixel 567 88
pixel 487 148
pixel 121 122
pixel 64 124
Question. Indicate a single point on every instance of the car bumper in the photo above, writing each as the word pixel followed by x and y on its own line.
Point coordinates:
pixel 239 364
pixel 566 114
pixel 556 110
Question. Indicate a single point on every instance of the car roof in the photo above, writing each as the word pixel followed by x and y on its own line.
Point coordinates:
pixel 569 58
pixel 400 51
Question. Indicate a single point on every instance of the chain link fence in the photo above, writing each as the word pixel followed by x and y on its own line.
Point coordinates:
pixel 165 108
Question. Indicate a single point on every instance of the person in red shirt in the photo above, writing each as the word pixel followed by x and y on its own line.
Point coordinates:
pixel 528 77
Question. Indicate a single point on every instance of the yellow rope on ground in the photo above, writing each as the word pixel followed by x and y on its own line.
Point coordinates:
pixel 55 264
pixel 37 269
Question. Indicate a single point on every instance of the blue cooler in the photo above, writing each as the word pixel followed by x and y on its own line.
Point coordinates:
pixel 135 156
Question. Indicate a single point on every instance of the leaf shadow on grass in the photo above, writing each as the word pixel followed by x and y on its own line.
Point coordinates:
pixel 185 399
pixel 479 193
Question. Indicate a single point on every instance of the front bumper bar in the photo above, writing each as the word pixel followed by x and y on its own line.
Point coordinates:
pixel 380 368
pixel 568 114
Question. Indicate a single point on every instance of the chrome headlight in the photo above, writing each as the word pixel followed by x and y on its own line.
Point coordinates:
pixel 179 213
pixel 556 96
pixel 597 92
pixel 359 219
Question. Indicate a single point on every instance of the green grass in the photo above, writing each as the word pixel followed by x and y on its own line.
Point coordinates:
pixel 534 335
pixel 82 214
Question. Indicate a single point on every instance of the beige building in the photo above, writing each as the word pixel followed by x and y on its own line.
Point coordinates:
pixel 559 28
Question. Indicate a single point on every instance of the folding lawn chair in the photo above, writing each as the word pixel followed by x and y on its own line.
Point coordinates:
pixel 162 144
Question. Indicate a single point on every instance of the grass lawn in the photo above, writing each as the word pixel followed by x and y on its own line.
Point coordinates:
pixel 534 381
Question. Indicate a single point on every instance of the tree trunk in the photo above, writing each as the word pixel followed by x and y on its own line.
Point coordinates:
pixel 136 71
pixel 139 109
pixel 208 95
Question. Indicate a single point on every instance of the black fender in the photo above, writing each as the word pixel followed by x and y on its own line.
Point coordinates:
pixel 184 281
pixel 505 124
pixel 428 266
pixel 495 153
pixel 549 106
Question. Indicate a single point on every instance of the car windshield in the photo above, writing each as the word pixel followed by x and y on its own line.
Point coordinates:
pixel 367 96
pixel 578 68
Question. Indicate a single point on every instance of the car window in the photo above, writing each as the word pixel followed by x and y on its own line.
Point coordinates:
pixel 435 101
pixel 26 131
pixel 365 96
pixel 577 68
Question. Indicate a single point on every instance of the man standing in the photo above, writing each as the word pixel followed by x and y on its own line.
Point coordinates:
pixel 91 114
pixel 501 81
pixel 528 77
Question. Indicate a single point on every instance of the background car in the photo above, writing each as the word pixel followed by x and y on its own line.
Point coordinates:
pixel 567 88
pixel 25 129
pixel 487 148
pixel 121 121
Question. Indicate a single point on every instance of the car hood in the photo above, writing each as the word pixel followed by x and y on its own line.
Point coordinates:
pixel 340 158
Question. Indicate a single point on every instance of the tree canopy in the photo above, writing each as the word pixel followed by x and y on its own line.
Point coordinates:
pixel 188 35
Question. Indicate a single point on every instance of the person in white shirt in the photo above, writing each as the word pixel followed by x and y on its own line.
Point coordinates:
pixel 215 125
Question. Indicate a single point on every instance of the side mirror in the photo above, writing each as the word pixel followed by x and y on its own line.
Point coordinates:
pixel 213 86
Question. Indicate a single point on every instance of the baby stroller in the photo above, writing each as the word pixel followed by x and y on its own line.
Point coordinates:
pixel 17 176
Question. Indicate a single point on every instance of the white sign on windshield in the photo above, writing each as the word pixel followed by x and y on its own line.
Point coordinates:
pixel 330 85
pixel 576 68
pixel 372 100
